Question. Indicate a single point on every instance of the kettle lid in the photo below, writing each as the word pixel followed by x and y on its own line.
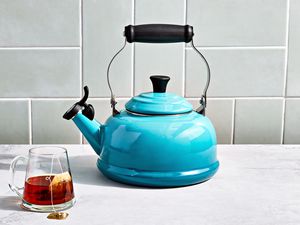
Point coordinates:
pixel 158 102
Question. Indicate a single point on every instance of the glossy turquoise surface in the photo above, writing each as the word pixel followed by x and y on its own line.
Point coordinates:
pixel 158 103
pixel 161 151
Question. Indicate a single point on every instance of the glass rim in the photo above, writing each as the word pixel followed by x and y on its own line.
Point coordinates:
pixel 52 150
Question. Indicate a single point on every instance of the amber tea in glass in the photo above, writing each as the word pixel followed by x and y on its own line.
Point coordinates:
pixel 38 190
pixel 48 183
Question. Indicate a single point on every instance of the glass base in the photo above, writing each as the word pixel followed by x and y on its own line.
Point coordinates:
pixel 47 208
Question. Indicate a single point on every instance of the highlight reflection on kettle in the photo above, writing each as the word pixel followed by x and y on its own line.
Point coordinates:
pixel 158 139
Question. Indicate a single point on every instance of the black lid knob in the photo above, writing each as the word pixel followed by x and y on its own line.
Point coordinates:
pixel 159 83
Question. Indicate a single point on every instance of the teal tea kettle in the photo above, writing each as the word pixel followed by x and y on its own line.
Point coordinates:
pixel 158 140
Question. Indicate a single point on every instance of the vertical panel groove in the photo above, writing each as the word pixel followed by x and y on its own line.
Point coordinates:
pixel 233 121
pixel 133 52
pixel 184 50
pixel 285 69
pixel 30 120
pixel 81 53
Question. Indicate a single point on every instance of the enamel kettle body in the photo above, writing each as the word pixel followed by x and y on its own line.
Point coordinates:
pixel 159 150
pixel 157 140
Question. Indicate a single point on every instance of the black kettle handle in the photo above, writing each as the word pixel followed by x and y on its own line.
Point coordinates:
pixel 158 33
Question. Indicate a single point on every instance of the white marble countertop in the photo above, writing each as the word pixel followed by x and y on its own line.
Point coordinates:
pixel 256 184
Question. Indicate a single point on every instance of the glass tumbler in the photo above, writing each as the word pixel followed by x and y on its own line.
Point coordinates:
pixel 48 181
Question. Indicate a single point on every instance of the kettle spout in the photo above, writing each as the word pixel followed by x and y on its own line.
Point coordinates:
pixel 83 116
pixel 91 130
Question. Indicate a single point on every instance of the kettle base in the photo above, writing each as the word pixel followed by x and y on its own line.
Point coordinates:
pixel 155 178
